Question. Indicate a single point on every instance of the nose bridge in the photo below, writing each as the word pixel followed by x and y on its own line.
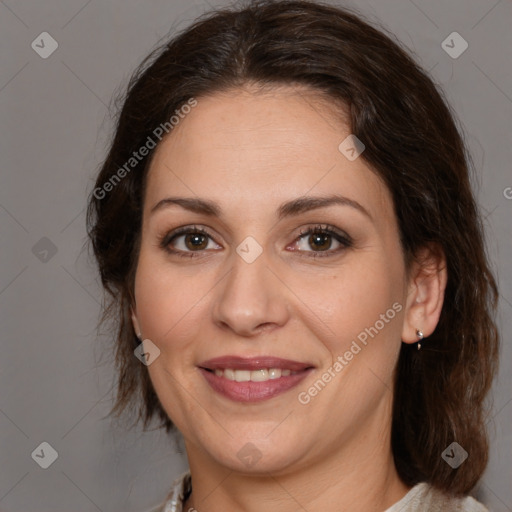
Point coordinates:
pixel 250 295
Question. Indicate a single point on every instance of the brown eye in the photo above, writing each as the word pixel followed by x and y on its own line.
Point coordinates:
pixel 320 241
pixel 187 240
pixel 196 241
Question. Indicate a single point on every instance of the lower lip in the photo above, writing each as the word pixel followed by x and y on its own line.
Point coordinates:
pixel 252 391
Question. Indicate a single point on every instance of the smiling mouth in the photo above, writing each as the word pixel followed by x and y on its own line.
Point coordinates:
pixel 253 379
pixel 253 386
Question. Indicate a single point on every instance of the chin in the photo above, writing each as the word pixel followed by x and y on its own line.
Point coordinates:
pixel 256 456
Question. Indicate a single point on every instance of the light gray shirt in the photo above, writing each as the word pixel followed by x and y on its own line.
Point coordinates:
pixel 421 498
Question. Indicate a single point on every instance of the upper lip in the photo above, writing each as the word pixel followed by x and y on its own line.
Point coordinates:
pixel 253 363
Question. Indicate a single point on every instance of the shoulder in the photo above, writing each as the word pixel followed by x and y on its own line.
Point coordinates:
pixel 174 501
pixel 425 498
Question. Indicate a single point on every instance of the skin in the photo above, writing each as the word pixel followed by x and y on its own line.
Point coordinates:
pixel 250 151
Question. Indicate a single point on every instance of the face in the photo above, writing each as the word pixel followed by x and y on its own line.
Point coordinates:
pixel 302 300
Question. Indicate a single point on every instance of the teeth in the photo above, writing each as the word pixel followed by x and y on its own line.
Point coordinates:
pixel 274 373
pixel 229 374
pixel 243 375
pixel 260 375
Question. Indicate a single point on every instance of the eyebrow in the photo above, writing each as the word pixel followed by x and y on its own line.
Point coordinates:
pixel 287 209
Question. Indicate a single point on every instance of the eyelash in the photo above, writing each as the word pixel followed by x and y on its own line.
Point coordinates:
pixel 325 229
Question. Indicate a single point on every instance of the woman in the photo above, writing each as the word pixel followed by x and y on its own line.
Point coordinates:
pixel 286 228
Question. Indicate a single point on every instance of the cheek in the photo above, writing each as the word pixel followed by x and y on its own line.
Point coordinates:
pixel 351 299
pixel 169 300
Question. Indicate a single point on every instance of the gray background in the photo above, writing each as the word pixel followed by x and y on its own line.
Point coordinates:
pixel 55 374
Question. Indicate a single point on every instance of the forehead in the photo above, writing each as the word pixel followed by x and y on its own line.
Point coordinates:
pixel 262 147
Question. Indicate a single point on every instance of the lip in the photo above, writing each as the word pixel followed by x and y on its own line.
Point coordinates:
pixel 249 391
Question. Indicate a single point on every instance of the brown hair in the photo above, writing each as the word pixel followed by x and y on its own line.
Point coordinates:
pixel 412 143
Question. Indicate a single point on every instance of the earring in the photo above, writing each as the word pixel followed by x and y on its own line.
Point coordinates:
pixel 420 336
pixel 139 336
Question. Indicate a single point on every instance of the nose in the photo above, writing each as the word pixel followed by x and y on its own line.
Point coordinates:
pixel 251 298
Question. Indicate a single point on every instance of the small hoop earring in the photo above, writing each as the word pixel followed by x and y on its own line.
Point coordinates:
pixel 419 334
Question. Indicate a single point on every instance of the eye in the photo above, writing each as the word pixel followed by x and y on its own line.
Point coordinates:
pixel 188 239
pixel 321 239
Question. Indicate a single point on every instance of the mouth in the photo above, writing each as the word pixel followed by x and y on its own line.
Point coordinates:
pixel 253 379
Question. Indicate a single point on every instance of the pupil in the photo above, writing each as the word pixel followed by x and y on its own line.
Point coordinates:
pixel 195 241
pixel 321 241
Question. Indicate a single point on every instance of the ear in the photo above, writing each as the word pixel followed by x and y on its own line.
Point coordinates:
pixel 135 323
pixel 425 293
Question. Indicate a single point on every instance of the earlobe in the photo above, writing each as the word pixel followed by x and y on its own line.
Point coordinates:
pixel 135 324
pixel 427 284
